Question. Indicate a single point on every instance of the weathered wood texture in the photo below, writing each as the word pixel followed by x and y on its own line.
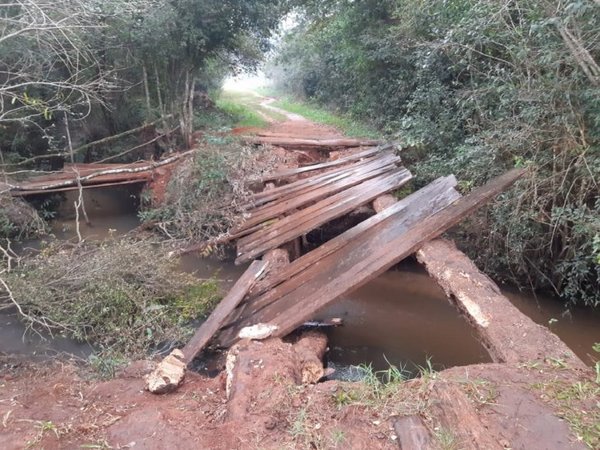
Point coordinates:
pixel 340 265
pixel 325 187
pixel 509 335
pixel 363 258
pixel 452 410
pixel 314 144
pixel 219 316
pixel 92 175
pixel 282 174
pixel 307 219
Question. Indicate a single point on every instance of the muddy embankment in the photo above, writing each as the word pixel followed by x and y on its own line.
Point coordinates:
pixel 496 380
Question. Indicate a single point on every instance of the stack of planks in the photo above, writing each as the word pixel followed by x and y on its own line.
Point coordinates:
pixel 289 297
pixel 285 213
pixel 357 256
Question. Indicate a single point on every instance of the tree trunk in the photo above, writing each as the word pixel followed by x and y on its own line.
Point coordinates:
pixel 146 90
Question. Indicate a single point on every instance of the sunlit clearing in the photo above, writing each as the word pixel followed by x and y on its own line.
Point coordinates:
pixel 246 82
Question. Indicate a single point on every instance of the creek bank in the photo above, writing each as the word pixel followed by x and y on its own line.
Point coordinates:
pixel 501 406
pixel 271 408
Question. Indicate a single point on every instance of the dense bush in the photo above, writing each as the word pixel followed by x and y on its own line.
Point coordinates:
pixel 125 296
pixel 475 88
pixel 207 194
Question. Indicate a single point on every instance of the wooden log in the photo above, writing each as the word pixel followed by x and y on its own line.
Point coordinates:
pixel 383 202
pixel 412 434
pixel 237 293
pixel 367 258
pixel 125 172
pixel 279 175
pixel 452 410
pixel 316 144
pixel 296 225
pixel 310 350
pixel 508 335
pixel 75 188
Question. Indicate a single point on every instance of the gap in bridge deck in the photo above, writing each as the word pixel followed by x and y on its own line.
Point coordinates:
pixel 401 318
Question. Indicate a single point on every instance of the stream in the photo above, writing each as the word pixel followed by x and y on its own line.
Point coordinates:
pixel 401 318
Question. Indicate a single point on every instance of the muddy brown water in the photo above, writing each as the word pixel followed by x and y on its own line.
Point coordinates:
pixel 401 318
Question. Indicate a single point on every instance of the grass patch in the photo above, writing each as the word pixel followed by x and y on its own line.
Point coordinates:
pixel 387 392
pixel 246 110
pixel 349 126
pixel 577 403
pixel 242 114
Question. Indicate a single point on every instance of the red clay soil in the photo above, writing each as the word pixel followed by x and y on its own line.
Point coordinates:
pixel 476 407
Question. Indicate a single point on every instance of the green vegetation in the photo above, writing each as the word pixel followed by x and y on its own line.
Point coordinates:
pixel 319 114
pixel 475 88
pixel 206 195
pixel 570 400
pixel 243 115
pixel 125 297
pixel 101 68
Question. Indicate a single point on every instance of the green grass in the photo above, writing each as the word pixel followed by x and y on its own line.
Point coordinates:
pixel 349 126
pixel 246 109
pixel 242 114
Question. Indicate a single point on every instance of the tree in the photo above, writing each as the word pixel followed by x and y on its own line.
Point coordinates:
pixel 46 65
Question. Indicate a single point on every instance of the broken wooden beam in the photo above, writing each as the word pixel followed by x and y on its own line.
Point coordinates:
pixel 371 254
pixel 314 193
pixel 329 261
pixel 508 335
pixel 307 219
pixel 286 173
pixel 427 194
pixel 219 316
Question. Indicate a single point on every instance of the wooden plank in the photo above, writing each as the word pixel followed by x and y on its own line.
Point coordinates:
pixel 377 230
pixel 313 180
pixel 316 180
pixel 336 162
pixel 75 188
pixel 315 193
pixel 427 194
pixel 507 334
pixel 319 208
pixel 295 225
pixel 237 293
pixel 368 257
pixel 351 196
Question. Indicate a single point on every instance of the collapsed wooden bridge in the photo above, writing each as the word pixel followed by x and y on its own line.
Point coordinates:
pixel 282 296
pixel 94 175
